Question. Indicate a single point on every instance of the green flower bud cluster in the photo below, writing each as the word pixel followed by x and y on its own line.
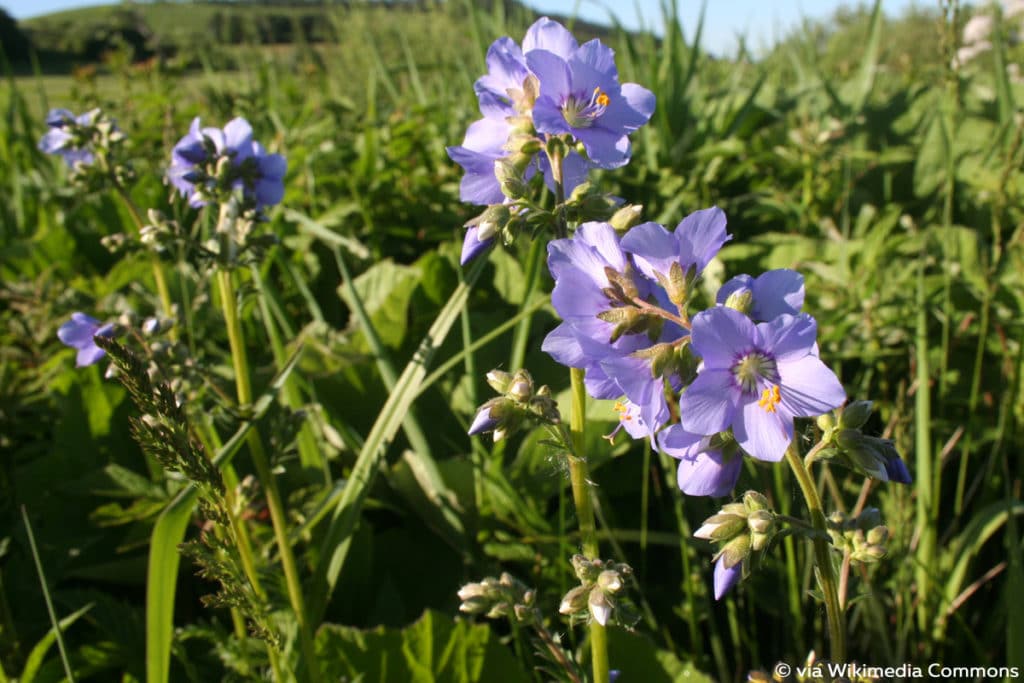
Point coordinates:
pixel 847 445
pixel 103 139
pixel 864 536
pixel 520 404
pixel 597 597
pixel 740 529
pixel 506 596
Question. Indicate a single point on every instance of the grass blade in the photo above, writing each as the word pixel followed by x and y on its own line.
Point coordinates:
pixel 49 601
pixel 348 508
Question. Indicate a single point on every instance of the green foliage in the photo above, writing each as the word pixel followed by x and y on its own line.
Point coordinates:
pixel 433 648
pixel 851 151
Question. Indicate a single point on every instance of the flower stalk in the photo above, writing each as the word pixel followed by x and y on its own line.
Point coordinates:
pixel 579 476
pixel 822 558
pixel 279 521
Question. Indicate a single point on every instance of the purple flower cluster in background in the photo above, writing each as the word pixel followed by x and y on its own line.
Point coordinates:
pixel 551 86
pixel 197 168
pixel 705 389
pixel 61 137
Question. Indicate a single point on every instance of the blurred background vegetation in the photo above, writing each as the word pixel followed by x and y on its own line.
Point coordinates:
pixel 859 150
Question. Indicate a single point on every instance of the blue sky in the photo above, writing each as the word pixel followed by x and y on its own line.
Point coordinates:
pixel 761 21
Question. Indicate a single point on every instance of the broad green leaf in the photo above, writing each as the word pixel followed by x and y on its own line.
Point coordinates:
pixel 434 648
pixel 637 654
pixel 385 290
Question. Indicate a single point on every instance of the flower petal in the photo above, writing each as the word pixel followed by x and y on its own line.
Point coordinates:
pixel 762 434
pixel 721 335
pixel 549 35
pixel 709 404
pixel 709 474
pixel 726 577
pixel 809 388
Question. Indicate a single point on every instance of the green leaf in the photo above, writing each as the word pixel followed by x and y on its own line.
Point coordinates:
pixel 348 507
pixel 636 653
pixel 35 657
pixel 385 290
pixel 434 648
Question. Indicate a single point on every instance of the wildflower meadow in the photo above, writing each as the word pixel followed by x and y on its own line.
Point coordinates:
pixel 449 341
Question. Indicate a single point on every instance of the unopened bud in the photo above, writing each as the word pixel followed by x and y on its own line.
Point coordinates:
pixel 855 415
pixel 754 501
pixel 741 300
pixel 626 217
pixel 575 600
pixel 600 606
pixel 735 551
pixel 826 422
pixel 878 535
pixel 761 522
pixel 721 527
pixel 499 380
pixel 610 581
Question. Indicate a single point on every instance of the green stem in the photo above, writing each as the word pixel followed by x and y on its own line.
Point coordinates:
pixel 158 271
pixel 822 557
pixel 262 465
pixel 579 475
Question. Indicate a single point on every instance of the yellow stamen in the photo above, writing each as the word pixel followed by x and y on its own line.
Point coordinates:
pixel 621 408
pixel 770 398
pixel 600 97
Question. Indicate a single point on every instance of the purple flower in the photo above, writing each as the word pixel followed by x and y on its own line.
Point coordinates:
pixel 79 333
pixel 696 240
pixel 703 471
pixel 726 577
pixel 484 144
pixel 483 422
pixel 580 93
pixel 897 471
pixel 472 246
pixel 774 293
pixel 502 91
pixel 60 138
pixel 755 379
pixel 194 165
pixel 580 266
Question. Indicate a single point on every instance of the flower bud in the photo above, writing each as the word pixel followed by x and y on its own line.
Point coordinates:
pixel 626 217
pixel 761 522
pixel 521 387
pixel 150 326
pixel 754 501
pixel 721 527
pixel 826 422
pixel 735 551
pixel 575 600
pixel 741 300
pixel 878 535
pixel 499 380
pixel 855 415
pixel 609 581
pixel 600 606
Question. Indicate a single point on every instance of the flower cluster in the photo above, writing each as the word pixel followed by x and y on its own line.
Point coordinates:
pixel 209 164
pixel 89 143
pixel 707 388
pixel 550 95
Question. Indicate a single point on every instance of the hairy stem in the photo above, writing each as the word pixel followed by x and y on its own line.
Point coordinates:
pixel 263 471
pixel 822 557
pixel 580 477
